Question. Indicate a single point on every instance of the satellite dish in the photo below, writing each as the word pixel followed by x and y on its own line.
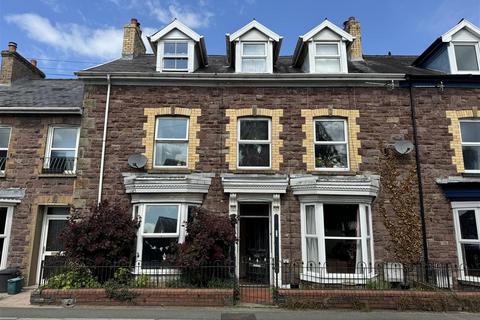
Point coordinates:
pixel 403 147
pixel 137 160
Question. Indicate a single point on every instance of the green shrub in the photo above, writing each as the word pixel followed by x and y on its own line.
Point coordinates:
pixel 217 283
pixel 73 279
pixel 141 281
pixel 378 285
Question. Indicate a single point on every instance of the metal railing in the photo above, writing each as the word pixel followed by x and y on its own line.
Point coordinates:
pixel 59 165
pixel 382 276
pixel 137 276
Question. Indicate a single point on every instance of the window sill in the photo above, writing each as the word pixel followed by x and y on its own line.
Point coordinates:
pixel 333 173
pixel 56 175
pixel 344 278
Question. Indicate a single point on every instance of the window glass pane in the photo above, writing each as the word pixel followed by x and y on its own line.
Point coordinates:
pixel 471 259
pixel 4 137
pixel 253 49
pixel 329 130
pixel 253 65
pixel 254 155
pixel 3 220
pixel 343 256
pixel 312 252
pixel 3 159
pixel 156 250
pixel 468 225
pixel 310 220
pixel 169 63
pixel 253 129
pixel 171 154
pixel 64 138
pixel 172 128
pixel 327 49
pixel 181 63
pixel 470 131
pixel 182 48
pixel 58 210
pixel 2 241
pixel 331 156
pixel 466 58
pixel 471 157
pixel 161 219
pixel 169 48
pixel 327 65
pixel 341 220
pixel 55 227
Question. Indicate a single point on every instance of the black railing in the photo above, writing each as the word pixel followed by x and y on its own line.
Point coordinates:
pixel 137 276
pixel 383 276
pixel 59 165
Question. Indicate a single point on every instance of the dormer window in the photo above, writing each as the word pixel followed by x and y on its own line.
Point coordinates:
pixel 323 49
pixel 253 49
pixel 254 57
pixel 178 48
pixel 466 57
pixel 327 58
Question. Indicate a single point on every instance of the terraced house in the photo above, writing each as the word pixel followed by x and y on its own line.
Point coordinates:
pixel 293 146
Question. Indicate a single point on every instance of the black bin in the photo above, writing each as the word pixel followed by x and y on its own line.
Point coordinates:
pixel 6 275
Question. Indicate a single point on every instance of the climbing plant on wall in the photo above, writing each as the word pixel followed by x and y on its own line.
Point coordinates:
pixel 400 210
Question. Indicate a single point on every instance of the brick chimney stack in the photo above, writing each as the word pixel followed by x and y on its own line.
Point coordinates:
pixel 354 50
pixel 15 67
pixel 133 45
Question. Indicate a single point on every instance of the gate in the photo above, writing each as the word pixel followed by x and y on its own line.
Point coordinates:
pixel 256 281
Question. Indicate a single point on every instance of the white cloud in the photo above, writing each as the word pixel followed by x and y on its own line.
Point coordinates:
pixel 102 43
pixel 54 5
pixel 199 18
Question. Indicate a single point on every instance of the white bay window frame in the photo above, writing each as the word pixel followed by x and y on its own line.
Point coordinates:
pixel 326 143
pixel 139 211
pixel 365 238
pixel 463 206
pixel 269 142
pixel 5 235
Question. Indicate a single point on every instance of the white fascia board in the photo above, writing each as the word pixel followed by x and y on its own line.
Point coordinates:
pixel 255 25
pixel 327 24
pixel 447 37
pixel 175 24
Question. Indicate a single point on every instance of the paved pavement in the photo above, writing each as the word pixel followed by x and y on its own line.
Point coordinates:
pixel 237 313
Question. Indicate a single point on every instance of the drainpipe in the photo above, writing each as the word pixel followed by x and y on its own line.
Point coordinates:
pixel 419 176
pixel 104 141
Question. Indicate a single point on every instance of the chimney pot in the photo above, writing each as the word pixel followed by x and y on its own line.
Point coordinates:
pixel 12 46
pixel 33 62
pixel 134 21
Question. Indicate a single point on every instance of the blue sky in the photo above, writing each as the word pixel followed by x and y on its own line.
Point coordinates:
pixel 68 35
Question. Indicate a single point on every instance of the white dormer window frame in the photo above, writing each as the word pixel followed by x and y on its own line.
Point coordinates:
pixel 263 56
pixel 340 56
pixel 453 56
pixel 175 56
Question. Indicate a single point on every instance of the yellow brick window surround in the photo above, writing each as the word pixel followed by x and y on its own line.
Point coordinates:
pixel 276 128
pixel 193 129
pixel 454 129
pixel 353 129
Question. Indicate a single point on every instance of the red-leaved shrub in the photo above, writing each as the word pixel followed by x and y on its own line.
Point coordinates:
pixel 106 236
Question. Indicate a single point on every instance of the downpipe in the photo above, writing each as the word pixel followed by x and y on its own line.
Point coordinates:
pixel 104 141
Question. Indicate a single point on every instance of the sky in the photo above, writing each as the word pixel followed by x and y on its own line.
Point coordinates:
pixel 70 35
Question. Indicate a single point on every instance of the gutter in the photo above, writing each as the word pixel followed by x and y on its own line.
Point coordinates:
pixel 20 110
pixel 419 177
pixel 104 141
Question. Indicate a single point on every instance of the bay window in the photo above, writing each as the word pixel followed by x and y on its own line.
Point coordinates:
pixel 470 137
pixel 171 142
pixel 331 144
pixel 467 222
pixel 162 227
pixel 254 143
pixel 5 227
pixel 254 57
pixel 336 241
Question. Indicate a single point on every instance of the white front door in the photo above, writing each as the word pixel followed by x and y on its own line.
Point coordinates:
pixel 54 221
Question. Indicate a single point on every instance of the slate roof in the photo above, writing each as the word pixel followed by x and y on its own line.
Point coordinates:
pixel 218 64
pixel 42 96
